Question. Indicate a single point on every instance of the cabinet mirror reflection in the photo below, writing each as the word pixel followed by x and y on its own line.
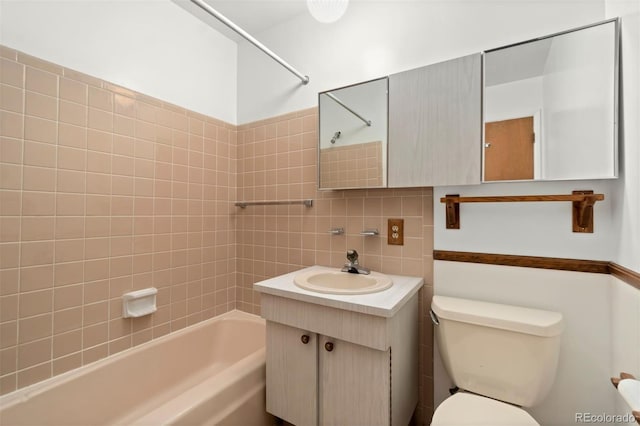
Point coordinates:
pixel 550 107
pixel 353 136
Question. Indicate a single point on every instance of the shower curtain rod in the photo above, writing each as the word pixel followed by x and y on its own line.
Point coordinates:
pixel 342 104
pixel 220 17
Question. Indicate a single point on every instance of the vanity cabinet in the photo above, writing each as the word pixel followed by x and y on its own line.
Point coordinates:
pixel 340 360
pixel 435 124
pixel 317 379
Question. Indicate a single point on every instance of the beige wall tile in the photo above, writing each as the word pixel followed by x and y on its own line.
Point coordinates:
pixel 10 203
pixel 9 308
pixel 69 250
pixel 36 278
pixel 11 73
pixel 73 113
pixel 10 176
pixel 8 334
pixel 101 99
pixel 34 328
pixel 40 130
pixel 37 228
pixel 66 343
pixel 39 179
pixel 8 360
pixel 73 136
pixel 73 90
pixel 66 320
pixel 10 150
pixel 34 374
pixel 36 253
pixel 11 124
pixel 98 140
pixel 68 273
pixel 67 297
pixel 9 229
pixel 94 335
pixel 66 363
pixel 41 81
pixel 11 98
pixel 42 106
pixel 69 227
pixel 38 203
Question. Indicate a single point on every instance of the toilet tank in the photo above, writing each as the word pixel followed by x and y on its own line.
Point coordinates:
pixel 505 352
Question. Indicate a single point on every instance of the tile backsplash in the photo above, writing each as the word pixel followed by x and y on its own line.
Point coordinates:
pixel 104 190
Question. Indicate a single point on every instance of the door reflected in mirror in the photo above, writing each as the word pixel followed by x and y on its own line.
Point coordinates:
pixel 550 107
pixel 352 149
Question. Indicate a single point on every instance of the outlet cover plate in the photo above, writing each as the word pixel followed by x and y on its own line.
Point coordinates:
pixel 395 232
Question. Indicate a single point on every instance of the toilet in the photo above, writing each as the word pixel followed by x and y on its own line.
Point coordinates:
pixel 501 357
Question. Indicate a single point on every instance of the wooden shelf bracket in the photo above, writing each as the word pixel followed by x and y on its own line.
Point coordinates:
pixel 582 203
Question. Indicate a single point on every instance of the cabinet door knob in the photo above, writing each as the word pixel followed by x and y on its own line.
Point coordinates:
pixel 328 346
pixel 304 339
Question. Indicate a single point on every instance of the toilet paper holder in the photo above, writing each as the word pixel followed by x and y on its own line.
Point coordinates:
pixel 629 388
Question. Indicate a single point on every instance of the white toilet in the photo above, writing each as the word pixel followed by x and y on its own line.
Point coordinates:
pixel 501 357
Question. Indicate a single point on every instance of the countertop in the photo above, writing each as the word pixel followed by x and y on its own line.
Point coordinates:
pixel 384 303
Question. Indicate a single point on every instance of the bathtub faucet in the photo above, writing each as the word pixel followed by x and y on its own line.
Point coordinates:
pixel 352 266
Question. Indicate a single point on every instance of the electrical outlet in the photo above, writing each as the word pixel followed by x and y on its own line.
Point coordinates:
pixel 395 232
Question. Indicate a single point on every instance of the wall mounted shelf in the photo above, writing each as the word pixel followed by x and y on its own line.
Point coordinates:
pixel 583 202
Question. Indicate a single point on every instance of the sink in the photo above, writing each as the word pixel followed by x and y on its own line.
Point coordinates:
pixel 337 282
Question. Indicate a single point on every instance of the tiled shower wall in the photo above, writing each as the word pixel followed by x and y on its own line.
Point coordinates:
pixel 278 160
pixel 103 191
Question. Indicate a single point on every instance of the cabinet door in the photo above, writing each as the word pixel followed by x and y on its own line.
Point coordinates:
pixel 292 374
pixel 354 384
pixel 435 124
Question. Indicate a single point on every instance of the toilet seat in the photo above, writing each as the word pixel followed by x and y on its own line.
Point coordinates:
pixel 469 409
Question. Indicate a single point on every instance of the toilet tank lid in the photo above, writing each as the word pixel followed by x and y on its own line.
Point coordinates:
pixel 507 317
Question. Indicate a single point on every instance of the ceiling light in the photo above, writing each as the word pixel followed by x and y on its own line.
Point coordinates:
pixel 327 11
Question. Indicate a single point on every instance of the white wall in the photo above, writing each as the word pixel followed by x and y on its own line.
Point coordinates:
pixel 602 330
pixel 376 38
pixel 625 327
pixel 625 334
pixel 151 46
pixel 626 193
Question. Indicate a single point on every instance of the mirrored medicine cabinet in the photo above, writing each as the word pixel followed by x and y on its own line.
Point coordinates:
pixel 352 136
pixel 546 109
pixel 550 107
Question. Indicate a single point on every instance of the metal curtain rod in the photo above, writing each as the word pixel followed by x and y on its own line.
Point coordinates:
pixel 244 204
pixel 220 17
pixel 332 96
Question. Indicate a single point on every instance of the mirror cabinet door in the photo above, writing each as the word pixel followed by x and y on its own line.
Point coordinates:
pixel 352 149
pixel 550 107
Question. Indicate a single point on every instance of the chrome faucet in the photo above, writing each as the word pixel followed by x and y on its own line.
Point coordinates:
pixel 352 266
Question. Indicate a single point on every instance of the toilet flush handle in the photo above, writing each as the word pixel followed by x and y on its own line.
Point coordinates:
pixel 434 317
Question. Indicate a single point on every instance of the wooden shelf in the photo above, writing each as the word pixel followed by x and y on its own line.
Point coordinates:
pixel 583 202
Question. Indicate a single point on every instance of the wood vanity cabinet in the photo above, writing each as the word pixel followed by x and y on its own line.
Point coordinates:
pixel 328 366
pixel 435 124
pixel 325 381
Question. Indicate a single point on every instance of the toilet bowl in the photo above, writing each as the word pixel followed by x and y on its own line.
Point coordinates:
pixel 501 357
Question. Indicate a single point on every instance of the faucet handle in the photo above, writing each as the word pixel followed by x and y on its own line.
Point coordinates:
pixel 352 256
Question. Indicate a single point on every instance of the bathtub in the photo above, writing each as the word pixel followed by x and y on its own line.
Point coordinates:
pixel 210 373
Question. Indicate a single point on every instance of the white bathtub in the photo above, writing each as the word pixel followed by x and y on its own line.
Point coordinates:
pixel 211 373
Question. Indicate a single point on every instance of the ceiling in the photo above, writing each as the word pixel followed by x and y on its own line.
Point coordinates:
pixel 253 16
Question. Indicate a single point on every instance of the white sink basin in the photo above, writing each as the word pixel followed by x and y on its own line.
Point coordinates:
pixel 337 282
